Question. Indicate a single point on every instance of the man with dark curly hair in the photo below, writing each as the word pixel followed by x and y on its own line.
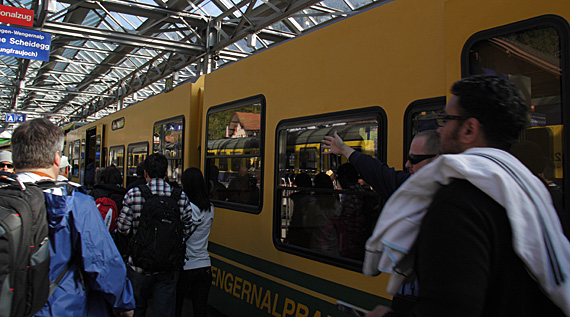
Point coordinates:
pixel 475 226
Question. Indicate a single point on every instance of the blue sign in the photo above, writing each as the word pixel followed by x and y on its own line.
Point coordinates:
pixel 24 43
pixel 15 117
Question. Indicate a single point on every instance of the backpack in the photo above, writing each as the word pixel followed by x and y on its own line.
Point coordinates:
pixel 158 245
pixel 24 248
pixel 109 211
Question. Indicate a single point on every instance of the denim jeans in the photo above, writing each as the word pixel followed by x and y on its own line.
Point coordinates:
pixel 160 288
pixel 197 282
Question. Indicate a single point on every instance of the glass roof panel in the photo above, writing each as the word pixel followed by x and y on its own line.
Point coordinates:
pixel 336 4
pixel 102 36
pixel 360 3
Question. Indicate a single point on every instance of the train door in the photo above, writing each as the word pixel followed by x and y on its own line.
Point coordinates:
pixel 94 143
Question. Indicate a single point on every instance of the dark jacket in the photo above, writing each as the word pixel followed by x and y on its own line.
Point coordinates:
pixel 115 192
pixel 136 182
pixel 465 262
pixel 383 179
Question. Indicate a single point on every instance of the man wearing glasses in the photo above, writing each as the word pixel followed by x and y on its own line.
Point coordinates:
pixel 384 179
pixel 486 238
pixel 6 163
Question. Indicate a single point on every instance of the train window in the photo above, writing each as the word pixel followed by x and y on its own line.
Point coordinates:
pixel 117 157
pixel 324 210
pixel 532 55
pixel 136 153
pixel 234 153
pixel 75 159
pixel 168 139
pixel 118 124
pixel 420 116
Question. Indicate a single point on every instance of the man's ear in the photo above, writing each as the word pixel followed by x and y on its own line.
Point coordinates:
pixel 471 132
pixel 57 159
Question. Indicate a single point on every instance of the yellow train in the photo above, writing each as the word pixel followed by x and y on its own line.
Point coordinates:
pixel 378 76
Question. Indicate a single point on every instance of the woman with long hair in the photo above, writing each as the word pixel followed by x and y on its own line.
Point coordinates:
pixel 196 276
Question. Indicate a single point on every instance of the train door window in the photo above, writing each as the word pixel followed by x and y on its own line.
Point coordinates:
pixel 136 153
pixel 82 163
pixel 104 157
pixel 534 55
pixel 75 153
pixel 324 210
pixel 91 154
pixel 235 134
pixel 420 116
pixel 117 157
pixel 168 139
pixel 98 162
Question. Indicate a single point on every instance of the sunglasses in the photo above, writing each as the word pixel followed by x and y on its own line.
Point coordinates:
pixel 442 119
pixel 415 159
pixel 2 165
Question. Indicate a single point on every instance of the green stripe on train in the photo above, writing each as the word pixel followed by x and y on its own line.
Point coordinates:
pixel 238 291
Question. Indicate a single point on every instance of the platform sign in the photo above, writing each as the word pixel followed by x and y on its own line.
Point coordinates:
pixel 18 16
pixel 24 43
pixel 15 117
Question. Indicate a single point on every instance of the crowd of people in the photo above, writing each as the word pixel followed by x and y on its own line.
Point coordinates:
pixel 93 277
pixel 470 227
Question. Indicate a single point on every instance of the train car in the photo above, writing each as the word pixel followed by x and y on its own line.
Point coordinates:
pixel 377 78
pixel 168 123
pixel 381 74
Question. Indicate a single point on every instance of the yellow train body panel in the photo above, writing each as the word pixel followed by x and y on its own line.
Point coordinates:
pixel 182 101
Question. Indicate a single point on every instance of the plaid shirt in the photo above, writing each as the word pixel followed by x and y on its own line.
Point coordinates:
pixel 133 204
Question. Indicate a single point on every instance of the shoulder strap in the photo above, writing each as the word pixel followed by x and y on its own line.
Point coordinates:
pixel 49 184
pixel 53 285
pixel 146 193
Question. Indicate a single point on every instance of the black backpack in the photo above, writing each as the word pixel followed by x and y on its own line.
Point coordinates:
pixel 158 245
pixel 24 248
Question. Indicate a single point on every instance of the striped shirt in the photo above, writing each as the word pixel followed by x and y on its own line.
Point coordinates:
pixel 133 202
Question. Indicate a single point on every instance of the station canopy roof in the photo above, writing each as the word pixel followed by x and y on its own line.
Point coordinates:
pixel 108 54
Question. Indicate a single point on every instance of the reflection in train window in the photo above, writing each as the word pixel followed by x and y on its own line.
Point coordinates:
pixel 136 153
pixel 531 58
pixel 117 157
pixel 234 155
pixel 75 159
pixel 325 208
pixel 168 139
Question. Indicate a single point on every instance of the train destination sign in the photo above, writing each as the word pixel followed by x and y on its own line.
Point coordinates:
pixel 17 16
pixel 24 43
